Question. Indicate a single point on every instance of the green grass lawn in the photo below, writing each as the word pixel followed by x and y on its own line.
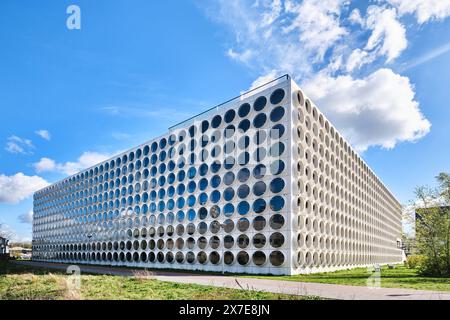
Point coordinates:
pixel 28 283
pixel 399 277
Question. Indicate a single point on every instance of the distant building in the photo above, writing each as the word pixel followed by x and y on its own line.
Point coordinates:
pixel 4 246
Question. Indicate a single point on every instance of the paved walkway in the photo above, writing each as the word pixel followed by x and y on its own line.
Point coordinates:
pixel 330 291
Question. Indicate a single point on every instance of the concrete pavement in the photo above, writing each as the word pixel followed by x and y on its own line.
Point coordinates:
pixel 329 291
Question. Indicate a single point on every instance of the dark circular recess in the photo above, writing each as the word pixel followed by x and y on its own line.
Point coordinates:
pixel 228 194
pixel 244 110
pixel 259 223
pixel 228 258
pixel 259 258
pixel 259 171
pixel 276 258
pixel 277 185
pixel 277 114
pixel 243 258
pixel 243 175
pixel 214 257
pixel 243 241
pixel 276 240
pixel 202 257
pixel 228 225
pixel 277 149
pixel 259 240
pixel 259 205
pixel 244 125
pixel 205 126
pixel 216 121
pixel 277 96
pixel 243 224
pixel 259 188
pixel 260 103
pixel 243 191
pixel 243 208
pixel 277 131
pixel 229 116
pixel 276 203
pixel 276 221
pixel 277 167
pixel 228 178
pixel 259 120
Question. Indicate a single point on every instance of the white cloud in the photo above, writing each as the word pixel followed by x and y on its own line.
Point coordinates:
pixel 357 59
pixel 86 160
pixel 355 17
pixel 317 23
pixel 424 10
pixel 18 187
pixel 430 55
pixel 26 217
pixel 18 145
pixel 377 110
pixel 321 44
pixel 388 34
pixel 44 134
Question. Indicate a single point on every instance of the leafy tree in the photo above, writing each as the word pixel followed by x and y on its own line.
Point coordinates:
pixel 433 227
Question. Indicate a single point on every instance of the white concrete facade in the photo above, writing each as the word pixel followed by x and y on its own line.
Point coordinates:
pixel 260 184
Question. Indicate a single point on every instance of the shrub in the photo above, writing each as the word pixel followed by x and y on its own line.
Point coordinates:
pixel 414 261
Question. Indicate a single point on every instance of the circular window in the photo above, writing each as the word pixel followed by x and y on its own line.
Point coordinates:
pixel 276 203
pixel 259 223
pixel 243 207
pixel 205 126
pixel 179 257
pixel 277 149
pixel 228 258
pixel 259 240
pixel 214 227
pixel 276 240
pixel 259 171
pixel 228 194
pixel 243 191
pixel 228 178
pixel 244 110
pixel 276 258
pixel 202 243
pixel 214 257
pixel 216 121
pixel 277 185
pixel 259 188
pixel 276 221
pixel 259 120
pixel 277 96
pixel 202 227
pixel 228 242
pixel 243 241
pixel 229 116
pixel 214 211
pixel 277 131
pixel 276 167
pixel 260 103
pixel 259 205
pixel 228 225
pixel 202 257
pixel 243 224
pixel 243 258
pixel 243 175
pixel 244 125
pixel 277 114
pixel 228 210
pixel 190 257
pixel 259 258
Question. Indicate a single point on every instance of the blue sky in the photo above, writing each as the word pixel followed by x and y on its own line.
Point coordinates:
pixel 69 98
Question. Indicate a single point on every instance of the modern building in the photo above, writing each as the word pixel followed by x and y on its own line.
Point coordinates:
pixel 260 184
pixel 4 248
